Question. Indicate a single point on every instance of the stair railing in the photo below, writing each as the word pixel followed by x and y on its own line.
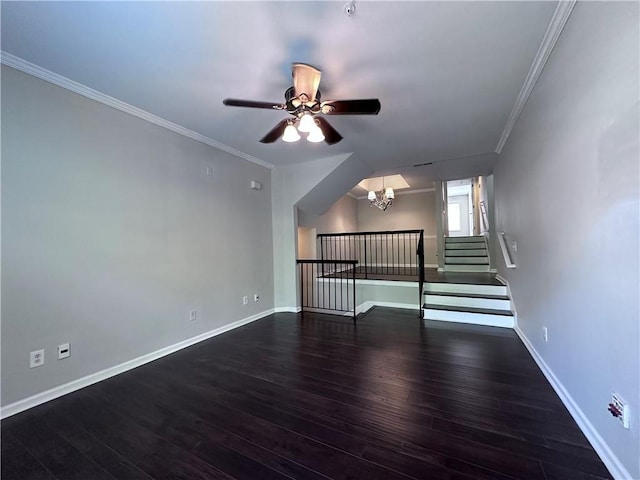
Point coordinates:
pixel 420 254
pixel 397 253
pixel 328 286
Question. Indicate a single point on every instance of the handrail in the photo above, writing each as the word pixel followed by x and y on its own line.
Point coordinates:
pixel 379 232
pixel 505 251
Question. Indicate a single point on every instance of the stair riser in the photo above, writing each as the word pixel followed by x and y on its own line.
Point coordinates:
pixel 462 252
pixel 464 246
pixel 473 318
pixel 493 303
pixel 466 260
pixel 466 268
pixel 463 239
pixel 466 288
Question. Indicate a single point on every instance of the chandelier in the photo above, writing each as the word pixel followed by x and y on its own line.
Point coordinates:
pixel 382 199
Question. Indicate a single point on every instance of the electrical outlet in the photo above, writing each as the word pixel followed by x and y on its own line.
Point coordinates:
pixel 619 409
pixel 545 334
pixel 36 358
pixel 245 300
pixel 256 297
pixel 193 315
pixel 64 351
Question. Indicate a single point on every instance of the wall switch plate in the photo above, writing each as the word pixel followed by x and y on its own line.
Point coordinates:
pixel 193 315
pixel 256 297
pixel 245 300
pixel 64 351
pixel 545 334
pixel 36 358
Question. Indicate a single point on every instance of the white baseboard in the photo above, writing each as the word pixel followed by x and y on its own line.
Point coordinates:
pixel 287 310
pixel 503 280
pixel 59 391
pixel 611 461
pixel 366 306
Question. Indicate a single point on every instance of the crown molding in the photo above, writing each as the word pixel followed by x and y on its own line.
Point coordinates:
pixel 73 86
pixel 556 25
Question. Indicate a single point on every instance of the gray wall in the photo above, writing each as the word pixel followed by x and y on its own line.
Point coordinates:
pixel 408 212
pixel 341 217
pixel 112 232
pixel 290 184
pixel 566 189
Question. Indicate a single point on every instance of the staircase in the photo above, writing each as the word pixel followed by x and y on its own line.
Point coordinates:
pixel 468 298
pixel 465 254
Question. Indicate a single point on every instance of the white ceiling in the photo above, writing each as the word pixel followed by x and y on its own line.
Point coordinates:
pixel 447 73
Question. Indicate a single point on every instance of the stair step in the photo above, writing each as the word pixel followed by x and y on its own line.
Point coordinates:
pixel 470 295
pixel 464 239
pixel 464 288
pixel 467 260
pixel 463 252
pixel 466 268
pixel 454 300
pixel 477 316
pixel 464 246
pixel 487 311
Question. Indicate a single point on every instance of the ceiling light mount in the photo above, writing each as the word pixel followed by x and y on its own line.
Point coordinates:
pixel 350 9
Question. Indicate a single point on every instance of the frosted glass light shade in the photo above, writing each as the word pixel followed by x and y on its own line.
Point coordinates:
pixel 389 193
pixel 306 123
pixel 290 134
pixel 315 135
pixel 372 195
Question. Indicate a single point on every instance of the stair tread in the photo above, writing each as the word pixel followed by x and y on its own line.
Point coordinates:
pixel 473 238
pixel 463 278
pixel 489 311
pixel 462 263
pixel 468 295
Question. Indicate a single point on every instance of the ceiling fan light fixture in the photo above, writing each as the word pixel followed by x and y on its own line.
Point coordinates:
pixel 315 135
pixel 290 134
pixel 306 123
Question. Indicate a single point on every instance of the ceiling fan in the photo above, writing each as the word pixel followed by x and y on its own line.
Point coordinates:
pixel 303 103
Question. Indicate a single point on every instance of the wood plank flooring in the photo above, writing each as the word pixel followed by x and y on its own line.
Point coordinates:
pixel 314 398
pixel 410 274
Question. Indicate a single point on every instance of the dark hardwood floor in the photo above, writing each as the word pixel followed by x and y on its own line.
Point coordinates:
pixel 410 274
pixel 314 398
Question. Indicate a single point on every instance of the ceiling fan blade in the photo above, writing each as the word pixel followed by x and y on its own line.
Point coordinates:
pixel 368 106
pixel 331 136
pixel 306 79
pixel 275 133
pixel 234 102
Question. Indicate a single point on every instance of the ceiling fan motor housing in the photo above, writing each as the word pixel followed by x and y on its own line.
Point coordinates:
pixel 290 96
